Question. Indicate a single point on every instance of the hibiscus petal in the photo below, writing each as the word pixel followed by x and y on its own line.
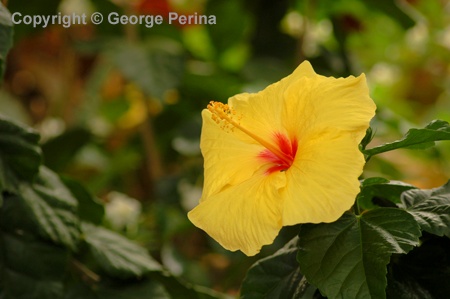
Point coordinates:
pixel 319 103
pixel 262 112
pixel 230 157
pixel 323 181
pixel 329 117
pixel 242 217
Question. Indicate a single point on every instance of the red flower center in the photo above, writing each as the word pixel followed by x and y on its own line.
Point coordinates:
pixel 283 159
pixel 281 154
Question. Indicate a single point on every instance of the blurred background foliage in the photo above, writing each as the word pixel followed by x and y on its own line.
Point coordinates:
pixel 118 106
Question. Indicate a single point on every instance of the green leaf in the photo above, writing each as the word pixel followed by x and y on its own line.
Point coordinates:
pixel 380 192
pixel 155 67
pixel 116 255
pixel 277 276
pixel 415 138
pixel 6 33
pixel 13 215
pixel 90 209
pixel 373 181
pixel 348 258
pixel 52 208
pixel 20 155
pixel 59 151
pixel 430 208
pixel 31 268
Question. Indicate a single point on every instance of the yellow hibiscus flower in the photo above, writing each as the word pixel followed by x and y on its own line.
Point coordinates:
pixel 286 155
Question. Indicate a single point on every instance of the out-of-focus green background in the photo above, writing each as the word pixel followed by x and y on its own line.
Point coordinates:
pixel 118 106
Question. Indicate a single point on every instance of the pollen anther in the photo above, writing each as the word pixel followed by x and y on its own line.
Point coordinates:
pixel 223 114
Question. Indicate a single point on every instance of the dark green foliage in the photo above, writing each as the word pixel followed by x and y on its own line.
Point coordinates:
pixel 52 208
pixel 423 273
pixel 41 236
pixel 348 258
pixel 31 268
pixel 6 33
pixel 277 276
pixel 90 209
pixel 116 255
pixel 380 192
pixel 430 208
pixel 72 140
pixel 20 155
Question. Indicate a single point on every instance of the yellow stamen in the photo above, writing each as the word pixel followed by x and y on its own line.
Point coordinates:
pixel 222 111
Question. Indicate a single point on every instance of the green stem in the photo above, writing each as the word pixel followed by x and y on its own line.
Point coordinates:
pixel 85 271
pixel 355 208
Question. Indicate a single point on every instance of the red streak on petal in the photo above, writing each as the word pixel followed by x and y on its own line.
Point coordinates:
pixel 287 147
